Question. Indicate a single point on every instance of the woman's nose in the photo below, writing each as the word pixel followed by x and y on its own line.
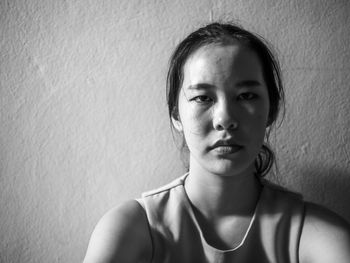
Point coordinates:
pixel 224 118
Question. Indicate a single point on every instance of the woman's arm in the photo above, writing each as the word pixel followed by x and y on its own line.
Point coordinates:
pixel 325 237
pixel 121 236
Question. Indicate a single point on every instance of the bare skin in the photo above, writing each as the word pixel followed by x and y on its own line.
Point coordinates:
pixel 218 207
pixel 122 236
pixel 325 237
pixel 232 105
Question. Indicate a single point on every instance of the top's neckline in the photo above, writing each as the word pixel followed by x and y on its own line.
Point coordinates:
pixel 187 202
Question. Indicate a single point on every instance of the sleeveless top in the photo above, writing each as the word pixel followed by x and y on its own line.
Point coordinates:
pixel 273 235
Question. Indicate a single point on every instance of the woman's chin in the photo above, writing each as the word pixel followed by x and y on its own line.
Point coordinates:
pixel 229 169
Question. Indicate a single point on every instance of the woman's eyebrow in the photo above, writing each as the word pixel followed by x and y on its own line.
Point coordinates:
pixel 248 83
pixel 240 84
pixel 200 86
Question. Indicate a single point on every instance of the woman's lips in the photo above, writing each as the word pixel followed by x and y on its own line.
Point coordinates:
pixel 227 149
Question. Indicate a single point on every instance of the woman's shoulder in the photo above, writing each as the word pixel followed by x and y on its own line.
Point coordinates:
pixel 325 236
pixel 121 235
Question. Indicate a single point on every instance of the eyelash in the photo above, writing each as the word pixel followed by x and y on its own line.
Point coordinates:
pixel 247 96
pixel 202 99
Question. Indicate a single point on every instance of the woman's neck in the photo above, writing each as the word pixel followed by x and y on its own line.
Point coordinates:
pixel 218 196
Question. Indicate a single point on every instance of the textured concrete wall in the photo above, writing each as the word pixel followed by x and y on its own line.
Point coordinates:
pixel 83 117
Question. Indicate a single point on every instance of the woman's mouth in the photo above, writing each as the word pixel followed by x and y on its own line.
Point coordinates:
pixel 227 149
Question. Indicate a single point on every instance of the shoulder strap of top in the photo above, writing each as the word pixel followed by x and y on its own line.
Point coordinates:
pixel 281 218
pixel 174 183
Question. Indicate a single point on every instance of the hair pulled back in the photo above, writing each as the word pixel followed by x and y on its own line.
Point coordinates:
pixel 226 33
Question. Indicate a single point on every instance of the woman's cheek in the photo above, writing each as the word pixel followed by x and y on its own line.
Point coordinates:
pixel 258 113
pixel 198 122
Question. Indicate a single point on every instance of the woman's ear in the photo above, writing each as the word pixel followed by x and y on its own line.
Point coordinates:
pixel 177 123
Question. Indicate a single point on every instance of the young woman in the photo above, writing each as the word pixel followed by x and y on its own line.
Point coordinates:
pixel 224 93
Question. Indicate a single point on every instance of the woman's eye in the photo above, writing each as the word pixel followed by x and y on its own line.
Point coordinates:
pixel 202 99
pixel 247 96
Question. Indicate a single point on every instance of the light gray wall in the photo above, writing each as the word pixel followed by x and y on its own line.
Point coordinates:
pixel 83 116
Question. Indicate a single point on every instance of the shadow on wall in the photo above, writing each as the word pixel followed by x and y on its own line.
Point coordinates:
pixel 327 186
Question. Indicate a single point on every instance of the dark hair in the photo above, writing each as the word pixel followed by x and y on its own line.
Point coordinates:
pixel 218 33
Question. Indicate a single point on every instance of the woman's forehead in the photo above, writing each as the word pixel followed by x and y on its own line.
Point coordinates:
pixel 223 61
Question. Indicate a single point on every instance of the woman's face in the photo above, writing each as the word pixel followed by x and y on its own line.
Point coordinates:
pixel 223 108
